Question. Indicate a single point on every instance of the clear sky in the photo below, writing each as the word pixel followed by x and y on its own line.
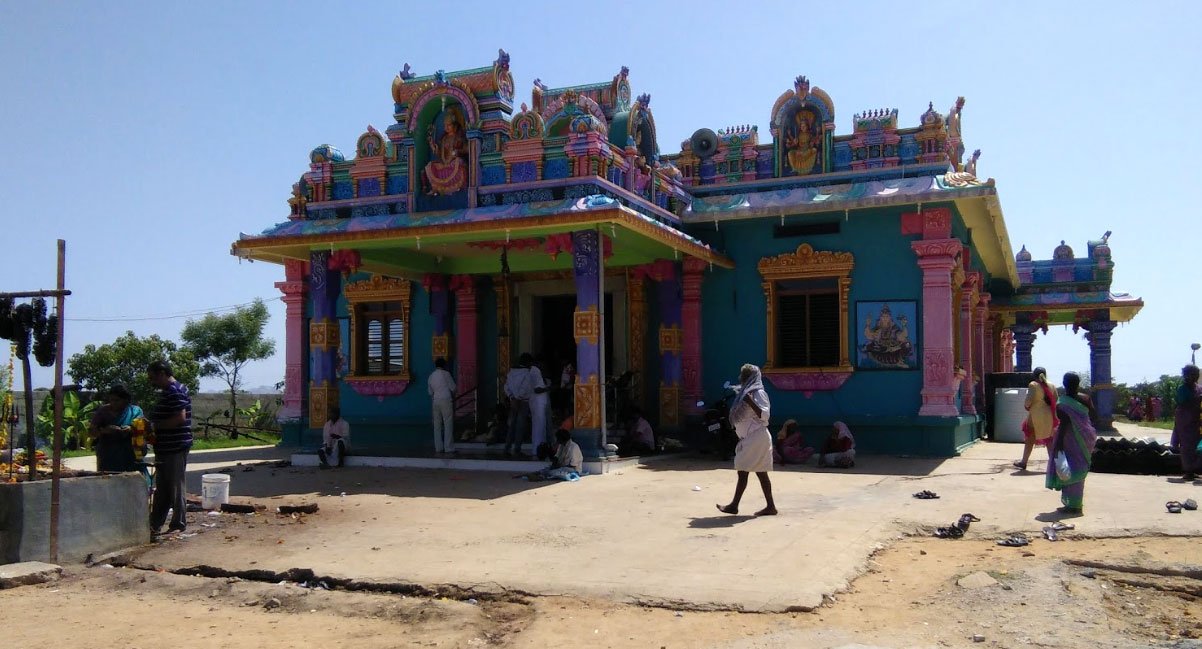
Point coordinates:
pixel 148 135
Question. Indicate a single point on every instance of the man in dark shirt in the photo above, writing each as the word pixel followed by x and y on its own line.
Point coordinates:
pixel 172 421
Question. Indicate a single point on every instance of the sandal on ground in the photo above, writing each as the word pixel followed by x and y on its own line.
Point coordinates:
pixel 969 518
pixel 1190 504
pixel 1060 527
pixel 1050 534
pixel 1015 541
pixel 1173 506
pixel 950 532
pixel 1021 466
pixel 727 509
pixel 926 495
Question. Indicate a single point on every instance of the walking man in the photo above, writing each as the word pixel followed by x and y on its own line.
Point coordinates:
pixel 441 387
pixel 171 420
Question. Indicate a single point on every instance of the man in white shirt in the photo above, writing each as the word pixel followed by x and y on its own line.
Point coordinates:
pixel 336 439
pixel 519 388
pixel 441 387
pixel 540 405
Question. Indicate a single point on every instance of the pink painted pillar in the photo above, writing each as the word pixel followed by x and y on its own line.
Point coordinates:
pixel 937 258
pixel 466 365
pixel 968 386
pixel 1006 351
pixel 294 289
pixel 983 332
pixel 690 316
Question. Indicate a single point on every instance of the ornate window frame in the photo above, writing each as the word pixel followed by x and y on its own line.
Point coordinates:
pixel 806 264
pixel 378 289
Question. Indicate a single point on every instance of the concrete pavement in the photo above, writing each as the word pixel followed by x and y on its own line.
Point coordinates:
pixel 649 534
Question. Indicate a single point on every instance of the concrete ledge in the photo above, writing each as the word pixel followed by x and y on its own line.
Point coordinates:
pixel 97 514
pixel 28 573
pixel 591 467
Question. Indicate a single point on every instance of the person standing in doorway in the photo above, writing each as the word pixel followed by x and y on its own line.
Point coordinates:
pixel 518 389
pixel 749 414
pixel 1186 421
pixel 171 421
pixel 540 407
pixel 1041 419
pixel 441 387
pixel 336 439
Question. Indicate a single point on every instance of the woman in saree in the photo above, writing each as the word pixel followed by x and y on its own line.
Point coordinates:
pixel 1186 422
pixel 839 449
pixel 1075 437
pixel 791 445
pixel 1041 419
pixel 112 429
pixel 749 415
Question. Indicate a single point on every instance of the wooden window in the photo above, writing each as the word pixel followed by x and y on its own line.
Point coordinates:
pixel 807 293
pixel 807 323
pixel 381 349
pixel 379 309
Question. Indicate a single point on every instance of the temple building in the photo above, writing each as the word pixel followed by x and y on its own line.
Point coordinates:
pixel 869 274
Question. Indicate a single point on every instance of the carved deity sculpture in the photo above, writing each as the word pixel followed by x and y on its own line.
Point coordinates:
pixel 446 173
pixel 956 154
pixel 968 177
pixel 802 143
pixel 888 341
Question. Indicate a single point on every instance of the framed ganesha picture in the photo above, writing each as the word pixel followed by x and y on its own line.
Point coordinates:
pixel 887 335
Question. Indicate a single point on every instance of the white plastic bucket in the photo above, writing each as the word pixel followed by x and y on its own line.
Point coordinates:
pixel 214 490
pixel 1008 414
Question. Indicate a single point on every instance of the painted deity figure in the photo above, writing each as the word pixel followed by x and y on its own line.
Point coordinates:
pixel 888 340
pixel 802 143
pixel 446 173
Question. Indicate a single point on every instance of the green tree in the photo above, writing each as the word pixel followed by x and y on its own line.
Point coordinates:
pixel 124 361
pixel 224 344
pixel 77 416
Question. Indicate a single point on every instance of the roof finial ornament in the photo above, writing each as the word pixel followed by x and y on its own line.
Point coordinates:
pixel 538 83
pixel 502 59
pixel 625 72
pixel 1106 237
pixel 405 74
pixel 802 86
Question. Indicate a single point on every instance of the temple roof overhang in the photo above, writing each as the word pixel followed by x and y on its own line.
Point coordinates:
pixel 1067 308
pixel 469 241
pixel 977 203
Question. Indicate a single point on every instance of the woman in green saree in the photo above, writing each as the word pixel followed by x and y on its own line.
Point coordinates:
pixel 1075 437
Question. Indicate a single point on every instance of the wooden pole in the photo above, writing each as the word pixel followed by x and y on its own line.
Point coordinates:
pixel 22 294
pixel 56 467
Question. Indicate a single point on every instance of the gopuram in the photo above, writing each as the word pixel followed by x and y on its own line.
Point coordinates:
pixel 869 273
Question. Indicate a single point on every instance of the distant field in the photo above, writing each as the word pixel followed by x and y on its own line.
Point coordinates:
pixel 203 404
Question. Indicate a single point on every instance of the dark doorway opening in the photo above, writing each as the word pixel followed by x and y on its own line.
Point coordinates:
pixel 553 342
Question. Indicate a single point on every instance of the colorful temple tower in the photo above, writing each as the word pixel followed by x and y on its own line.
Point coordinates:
pixel 856 269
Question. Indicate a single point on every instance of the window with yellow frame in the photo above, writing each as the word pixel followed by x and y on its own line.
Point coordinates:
pixel 807 292
pixel 379 314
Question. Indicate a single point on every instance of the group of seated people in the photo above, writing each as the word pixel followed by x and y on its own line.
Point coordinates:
pixel 838 449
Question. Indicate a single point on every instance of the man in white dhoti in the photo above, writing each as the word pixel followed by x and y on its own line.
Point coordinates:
pixel 336 440
pixel 749 415
pixel 540 405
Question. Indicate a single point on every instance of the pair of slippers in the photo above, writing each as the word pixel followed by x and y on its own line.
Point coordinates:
pixel 926 495
pixel 957 529
pixel 1175 507
pixel 1015 541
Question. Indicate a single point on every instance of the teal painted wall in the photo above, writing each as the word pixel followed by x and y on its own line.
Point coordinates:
pixel 881 406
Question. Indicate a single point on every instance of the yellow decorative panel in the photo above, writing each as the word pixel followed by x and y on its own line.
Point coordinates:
pixel 586 325
pixel 321 398
pixel 441 346
pixel 669 405
pixel 669 339
pixel 587 395
pixel 323 334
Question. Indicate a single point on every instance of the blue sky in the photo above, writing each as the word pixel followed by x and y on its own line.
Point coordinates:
pixel 148 135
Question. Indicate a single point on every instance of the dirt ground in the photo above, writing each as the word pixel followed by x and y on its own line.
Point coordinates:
pixel 1114 593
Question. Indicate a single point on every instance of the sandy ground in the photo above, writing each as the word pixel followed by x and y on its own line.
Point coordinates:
pixel 909 597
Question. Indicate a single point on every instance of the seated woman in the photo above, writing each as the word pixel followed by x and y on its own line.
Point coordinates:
pixel 839 450
pixel 639 438
pixel 790 444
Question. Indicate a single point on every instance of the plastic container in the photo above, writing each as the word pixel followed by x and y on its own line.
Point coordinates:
pixel 1008 414
pixel 214 490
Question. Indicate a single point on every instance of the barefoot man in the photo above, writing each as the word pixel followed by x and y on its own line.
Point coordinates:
pixel 749 414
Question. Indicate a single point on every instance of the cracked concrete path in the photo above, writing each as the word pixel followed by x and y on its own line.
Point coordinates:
pixel 646 535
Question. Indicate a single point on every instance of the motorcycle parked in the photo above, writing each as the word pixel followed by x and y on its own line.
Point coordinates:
pixel 719 437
